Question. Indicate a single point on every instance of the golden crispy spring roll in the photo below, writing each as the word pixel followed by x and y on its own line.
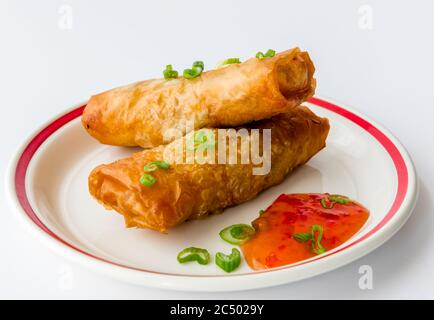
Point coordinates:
pixel 189 191
pixel 141 114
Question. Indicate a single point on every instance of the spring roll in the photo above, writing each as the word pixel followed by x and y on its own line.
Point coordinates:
pixel 144 113
pixel 190 191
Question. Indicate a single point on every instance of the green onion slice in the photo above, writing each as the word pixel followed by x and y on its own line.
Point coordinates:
pixel 169 73
pixel 201 140
pixel 335 198
pixel 302 237
pixel 260 55
pixel 269 54
pixel 194 254
pixel 154 165
pixel 199 64
pixel 237 234
pixel 147 180
pixel 317 248
pixel 228 262
pixel 195 71
pixel 339 199
pixel 261 212
pixel 227 62
pixel 324 204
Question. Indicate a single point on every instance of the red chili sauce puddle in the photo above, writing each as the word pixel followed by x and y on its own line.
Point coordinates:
pixel 273 244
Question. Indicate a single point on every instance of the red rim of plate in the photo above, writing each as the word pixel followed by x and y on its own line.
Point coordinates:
pixel 42 136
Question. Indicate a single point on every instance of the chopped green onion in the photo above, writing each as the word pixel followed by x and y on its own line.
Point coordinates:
pixel 202 140
pixel 228 262
pixel 237 234
pixel 335 198
pixel 261 212
pixel 317 248
pixel 302 237
pixel 154 165
pixel 227 62
pixel 339 199
pixel 191 73
pixel 147 180
pixel 195 71
pixel 194 254
pixel 169 73
pixel 324 204
pixel 260 55
pixel 269 54
pixel 199 64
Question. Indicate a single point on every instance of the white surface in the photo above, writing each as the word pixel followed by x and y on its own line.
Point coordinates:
pixel 384 72
pixel 56 184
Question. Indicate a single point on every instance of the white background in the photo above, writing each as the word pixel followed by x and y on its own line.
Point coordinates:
pixel 385 72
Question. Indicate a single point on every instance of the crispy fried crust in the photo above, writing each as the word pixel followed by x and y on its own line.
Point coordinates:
pixel 141 114
pixel 188 191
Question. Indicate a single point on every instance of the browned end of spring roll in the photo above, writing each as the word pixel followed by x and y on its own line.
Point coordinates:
pixel 188 191
pixel 142 113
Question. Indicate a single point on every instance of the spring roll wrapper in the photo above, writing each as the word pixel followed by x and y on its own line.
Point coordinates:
pixel 141 113
pixel 189 191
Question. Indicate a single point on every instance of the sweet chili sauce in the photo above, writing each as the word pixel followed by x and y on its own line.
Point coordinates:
pixel 274 243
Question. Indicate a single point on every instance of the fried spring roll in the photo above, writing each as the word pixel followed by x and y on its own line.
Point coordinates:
pixel 141 114
pixel 189 191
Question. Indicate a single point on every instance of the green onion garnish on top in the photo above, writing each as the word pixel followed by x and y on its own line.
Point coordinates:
pixel 339 199
pixel 335 198
pixel 169 73
pixel 154 165
pixel 201 140
pixel 269 54
pixel 147 180
pixel 324 204
pixel 195 70
pixel 317 248
pixel 237 234
pixel 194 254
pixel 228 62
pixel 228 262
pixel 302 237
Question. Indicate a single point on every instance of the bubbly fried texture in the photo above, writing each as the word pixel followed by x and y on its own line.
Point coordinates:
pixel 189 191
pixel 143 113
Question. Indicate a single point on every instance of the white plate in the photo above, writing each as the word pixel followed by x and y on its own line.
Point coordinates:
pixel 47 184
